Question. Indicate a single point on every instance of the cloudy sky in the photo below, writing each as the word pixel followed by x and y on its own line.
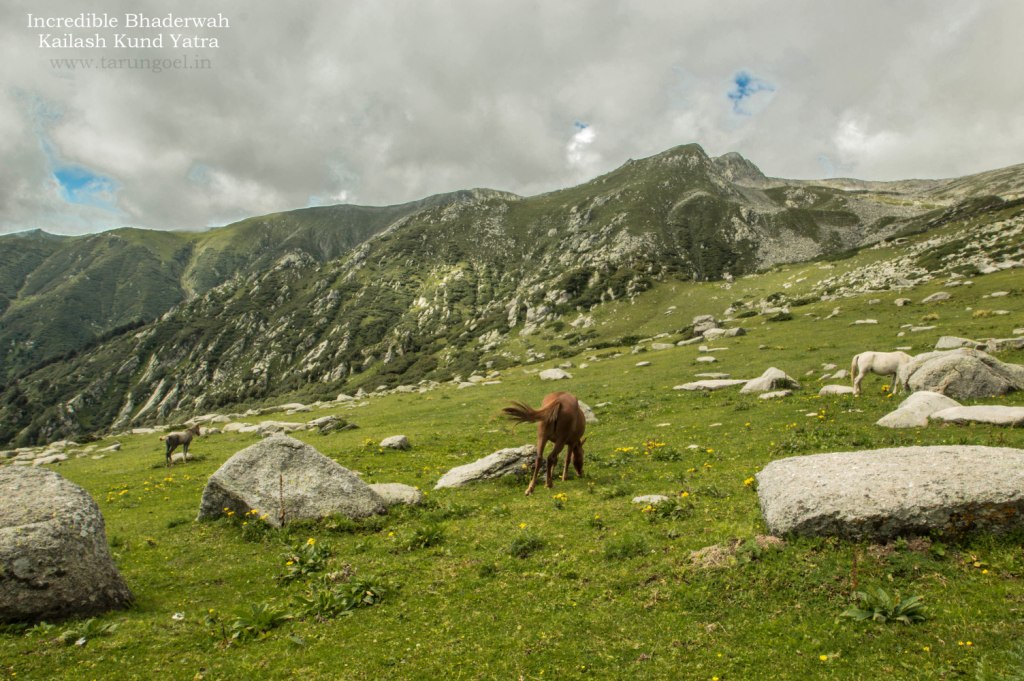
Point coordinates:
pixel 383 101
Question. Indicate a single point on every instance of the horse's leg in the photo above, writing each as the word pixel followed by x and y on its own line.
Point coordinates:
pixel 541 441
pixel 858 376
pixel 170 448
pixel 552 458
pixel 569 456
pixel 184 455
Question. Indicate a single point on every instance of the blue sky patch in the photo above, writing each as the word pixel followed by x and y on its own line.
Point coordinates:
pixel 81 186
pixel 750 94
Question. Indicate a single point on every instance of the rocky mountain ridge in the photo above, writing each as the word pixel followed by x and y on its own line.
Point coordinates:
pixel 291 304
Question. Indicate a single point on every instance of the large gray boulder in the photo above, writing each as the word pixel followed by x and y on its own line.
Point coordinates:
pixel 884 493
pixel 286 479
pixel 513 461
pixel 914 411
pixel 54 560
pixel 555 374
pixel 997 415
pixel 961 374
pixel 771 379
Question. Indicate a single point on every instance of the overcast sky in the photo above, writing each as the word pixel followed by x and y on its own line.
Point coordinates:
pixel 384 101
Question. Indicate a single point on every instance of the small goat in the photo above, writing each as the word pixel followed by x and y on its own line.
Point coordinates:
pixel 559 420
pixel 183 438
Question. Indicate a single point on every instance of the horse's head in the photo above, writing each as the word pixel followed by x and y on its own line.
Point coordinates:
pixel 576 454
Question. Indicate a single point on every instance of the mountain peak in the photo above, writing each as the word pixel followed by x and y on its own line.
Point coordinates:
pixel 735 168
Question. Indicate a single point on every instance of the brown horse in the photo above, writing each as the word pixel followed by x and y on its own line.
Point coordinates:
pixel 559 420
pixel 183 438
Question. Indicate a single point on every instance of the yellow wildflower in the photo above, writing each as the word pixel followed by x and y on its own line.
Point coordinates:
pixel 310 542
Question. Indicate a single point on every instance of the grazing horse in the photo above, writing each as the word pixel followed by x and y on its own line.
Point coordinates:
pixel 183 438
pixel 559 420
pixel 881 363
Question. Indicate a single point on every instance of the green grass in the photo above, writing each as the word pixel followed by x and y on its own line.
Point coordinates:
pixel 483 582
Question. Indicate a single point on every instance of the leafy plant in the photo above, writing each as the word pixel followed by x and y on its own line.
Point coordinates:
pixel 624 548
pixel 425 537
pixel 524 545
pixel 879 606
pixel 261 618
pixel 86 630
pixel 305 559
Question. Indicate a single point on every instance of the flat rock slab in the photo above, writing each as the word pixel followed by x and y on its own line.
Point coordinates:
pixel 885 493
pixel 286 479
pixel 914 411
pixel 54 560
pixel 994 414
pixel 835 390
pixel 554 375
pixel 512 461
pixel 396 493
pixel 650 499
pixel 711 384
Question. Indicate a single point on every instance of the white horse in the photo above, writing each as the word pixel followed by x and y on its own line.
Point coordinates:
pixel 881 363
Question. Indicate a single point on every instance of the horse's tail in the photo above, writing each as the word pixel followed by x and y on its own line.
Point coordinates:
pixel 522 413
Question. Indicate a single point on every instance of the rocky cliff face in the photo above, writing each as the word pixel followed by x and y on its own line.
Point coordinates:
pixel 283 305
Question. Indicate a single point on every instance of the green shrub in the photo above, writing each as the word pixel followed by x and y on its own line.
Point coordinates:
pixel 879 606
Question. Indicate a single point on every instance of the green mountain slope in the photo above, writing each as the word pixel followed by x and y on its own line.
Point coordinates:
pixel 59 295
pixel 309 303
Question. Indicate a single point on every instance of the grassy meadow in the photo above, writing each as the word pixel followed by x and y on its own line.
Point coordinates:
pixel 575 582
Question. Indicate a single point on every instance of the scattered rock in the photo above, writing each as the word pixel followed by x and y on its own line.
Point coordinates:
pixel 864 321
pixel 708 359
pixel 651 499
pixel 1003 344
pixel 588 413
pixel 951 342
pixel 886 493
pixel 662 346
pixel 715 334
pixel 771 379
pixel 724 555
pixel 900 302
pixel 54 560
pixel 643 364
pixel 116 447
pixel 396 442
pixel 49 459
pixel 710 384
pixel 393 493
pixel 994 414
pixel 835 390
pixel 775 394
pixel 554 375
pixel 691 341
pixel 513 461
pixel 703 323
pixel 937 297
pixel 287 480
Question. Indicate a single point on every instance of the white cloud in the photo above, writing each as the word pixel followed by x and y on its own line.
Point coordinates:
pixel 382 103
